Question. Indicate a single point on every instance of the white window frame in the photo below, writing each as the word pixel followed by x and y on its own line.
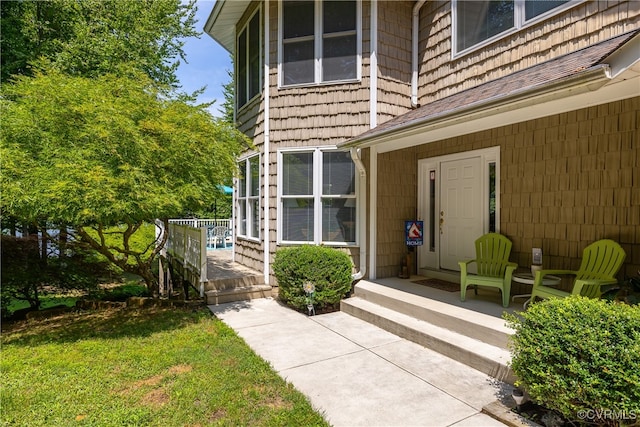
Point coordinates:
pixel 318 39
pixel 247 82
pixel 317 197
pixel 519 23
pixel 248 199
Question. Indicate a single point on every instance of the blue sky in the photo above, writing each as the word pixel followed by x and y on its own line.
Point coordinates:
pixel 208 62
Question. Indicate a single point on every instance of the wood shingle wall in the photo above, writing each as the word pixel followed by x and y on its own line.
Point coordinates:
pixel 394 59
pixel 441 75
pixel 566 181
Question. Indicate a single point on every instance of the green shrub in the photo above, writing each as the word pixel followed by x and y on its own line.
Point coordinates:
pixel 122 292
pixel 327 268
pixel 580 357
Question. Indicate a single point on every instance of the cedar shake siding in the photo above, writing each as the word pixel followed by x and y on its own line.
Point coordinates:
pixel 575 28
pixel 566 181
pixel 394 59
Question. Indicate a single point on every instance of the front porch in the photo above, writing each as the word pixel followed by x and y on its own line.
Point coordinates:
pixel 471 332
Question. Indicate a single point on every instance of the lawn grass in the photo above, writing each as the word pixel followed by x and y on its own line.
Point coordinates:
pixel 45 302
pixel 144 367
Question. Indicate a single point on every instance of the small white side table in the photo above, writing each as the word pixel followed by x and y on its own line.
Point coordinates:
pixel 528 279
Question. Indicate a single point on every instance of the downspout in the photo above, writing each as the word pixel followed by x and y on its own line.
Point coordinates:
pixel 362 212
pixel 267 175
pixel 414 52
pixel 355 152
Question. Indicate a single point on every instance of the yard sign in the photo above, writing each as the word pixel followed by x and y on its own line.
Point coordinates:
pixel 413 233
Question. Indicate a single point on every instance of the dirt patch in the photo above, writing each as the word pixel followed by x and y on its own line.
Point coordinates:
pixel 149 382
pixel 278 403
pixel 156 398
pixel 270 400
pixel 180 369
pixel 218 415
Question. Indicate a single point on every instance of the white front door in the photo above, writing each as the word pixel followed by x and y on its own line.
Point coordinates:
pixel 458 200
pixel 461 210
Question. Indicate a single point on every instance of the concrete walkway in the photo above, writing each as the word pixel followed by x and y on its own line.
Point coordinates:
pixel 357 374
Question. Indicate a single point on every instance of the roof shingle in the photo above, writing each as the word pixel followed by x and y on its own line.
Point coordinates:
pixel 537 76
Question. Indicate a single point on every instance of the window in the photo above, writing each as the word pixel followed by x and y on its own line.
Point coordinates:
pixel 249 198
pixel 492 197
pixel 319 41
pixel 249 79
pixel 432 211
pixel 317 197
pixel 478 22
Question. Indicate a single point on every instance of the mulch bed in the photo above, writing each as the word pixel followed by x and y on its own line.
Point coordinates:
pixel 442 285
pixel 541 415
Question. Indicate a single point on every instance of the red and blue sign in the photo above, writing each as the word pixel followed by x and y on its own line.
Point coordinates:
pixel 413 233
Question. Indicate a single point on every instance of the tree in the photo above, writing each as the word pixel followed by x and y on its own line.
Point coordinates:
pixel 90 154
pixel 94 37
pixel 229 92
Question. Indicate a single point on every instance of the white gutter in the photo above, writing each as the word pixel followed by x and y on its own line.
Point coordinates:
pixel 362 212
pixel 587 81
pixel 415 34
pixel 266 147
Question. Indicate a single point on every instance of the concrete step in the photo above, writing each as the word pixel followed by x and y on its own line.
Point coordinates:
pixel 239 281
pixel 238 288
pixel 475 339
pixel 240 293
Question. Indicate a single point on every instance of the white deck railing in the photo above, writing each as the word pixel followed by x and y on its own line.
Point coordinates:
pixel 201 222
pixel 189 245
pixel 213 239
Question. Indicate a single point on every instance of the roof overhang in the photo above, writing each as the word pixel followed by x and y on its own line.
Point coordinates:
pixel 616 77
pixel 221 24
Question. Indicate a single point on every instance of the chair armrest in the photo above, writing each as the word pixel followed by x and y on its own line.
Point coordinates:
pixel 581 283
pixel 463 266
pixel 511 267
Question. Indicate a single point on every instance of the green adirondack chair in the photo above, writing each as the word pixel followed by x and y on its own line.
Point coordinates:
pixel 493 266
pixel 601 261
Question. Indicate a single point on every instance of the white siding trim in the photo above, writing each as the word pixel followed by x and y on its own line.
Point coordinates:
pixel 373 66
pixel 373 211
pixel 267 175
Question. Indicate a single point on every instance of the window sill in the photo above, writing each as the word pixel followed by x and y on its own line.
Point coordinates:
pixel 328 244
pixel 320 84
pixel 248 239
pixel 248 104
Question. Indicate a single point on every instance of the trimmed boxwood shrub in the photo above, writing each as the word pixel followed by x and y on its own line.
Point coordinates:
pixel 327 268
pixel 580 357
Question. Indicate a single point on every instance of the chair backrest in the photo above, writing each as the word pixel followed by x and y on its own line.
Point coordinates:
pixel 601 260
pixel 492 254
pixel 220 231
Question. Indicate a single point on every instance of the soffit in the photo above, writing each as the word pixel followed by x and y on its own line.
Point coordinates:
pixel 221 24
